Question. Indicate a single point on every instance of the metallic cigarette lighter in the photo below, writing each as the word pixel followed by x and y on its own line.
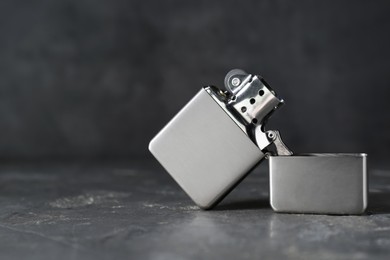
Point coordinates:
pixel 218 137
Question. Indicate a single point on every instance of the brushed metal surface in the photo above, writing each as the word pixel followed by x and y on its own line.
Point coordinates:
pixel 319 183
pixel 205 151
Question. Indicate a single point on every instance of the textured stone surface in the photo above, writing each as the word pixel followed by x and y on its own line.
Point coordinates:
pixel 136 211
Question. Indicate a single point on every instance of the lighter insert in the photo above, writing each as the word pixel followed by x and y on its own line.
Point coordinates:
pixel 220 136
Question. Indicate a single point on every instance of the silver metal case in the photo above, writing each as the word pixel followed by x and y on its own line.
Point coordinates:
pixel 319 183
pixel 205 150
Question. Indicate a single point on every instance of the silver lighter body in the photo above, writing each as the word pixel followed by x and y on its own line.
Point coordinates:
pixel 204 150
pixel 219 136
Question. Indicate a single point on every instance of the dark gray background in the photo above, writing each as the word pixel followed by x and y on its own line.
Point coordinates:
pixel 95 79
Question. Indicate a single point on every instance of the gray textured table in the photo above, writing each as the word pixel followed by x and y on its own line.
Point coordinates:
pixel 136 211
